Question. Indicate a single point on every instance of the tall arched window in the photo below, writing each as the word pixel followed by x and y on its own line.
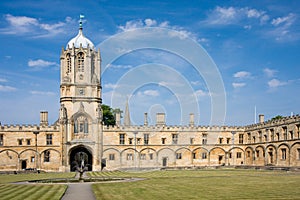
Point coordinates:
pixel 80 62
pixel 81 125
pixel 69 69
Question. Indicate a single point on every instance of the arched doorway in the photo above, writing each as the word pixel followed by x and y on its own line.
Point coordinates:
pixel 79 156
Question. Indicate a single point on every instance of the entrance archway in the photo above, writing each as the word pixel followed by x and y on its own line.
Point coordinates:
pixel 79 156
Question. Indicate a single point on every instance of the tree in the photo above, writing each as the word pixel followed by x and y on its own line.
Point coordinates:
pixel 278 117
pixel 108 115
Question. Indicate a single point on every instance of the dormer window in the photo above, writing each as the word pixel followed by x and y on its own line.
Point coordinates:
pixel 80 62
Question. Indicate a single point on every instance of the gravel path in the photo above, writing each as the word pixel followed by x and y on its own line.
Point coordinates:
pixel 78 191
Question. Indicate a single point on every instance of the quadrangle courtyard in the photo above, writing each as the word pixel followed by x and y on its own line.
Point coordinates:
pixel 164 184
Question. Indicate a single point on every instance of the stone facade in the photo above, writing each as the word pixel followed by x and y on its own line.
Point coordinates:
pixel 78 134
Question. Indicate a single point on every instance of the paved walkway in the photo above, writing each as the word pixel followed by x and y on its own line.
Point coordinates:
pixel 78 191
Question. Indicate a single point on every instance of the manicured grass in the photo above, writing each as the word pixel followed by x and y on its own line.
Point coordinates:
pixel 202 184
pixel 10 178
pixel 31 192
pixel 9 191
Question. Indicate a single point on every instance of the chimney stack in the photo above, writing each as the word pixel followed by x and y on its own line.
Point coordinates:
pixel 145 119
pixel 43 118
pixel 118 118
pixel 261 118
pixel 192 119
pixel 160 119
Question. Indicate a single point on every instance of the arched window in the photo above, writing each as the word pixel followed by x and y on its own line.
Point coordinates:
pixel 69 69
pixel 47 156
pixel 81 125
pixel 80 62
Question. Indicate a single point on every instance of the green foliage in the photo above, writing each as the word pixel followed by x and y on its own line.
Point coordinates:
pixel 278 117
pixel 108 115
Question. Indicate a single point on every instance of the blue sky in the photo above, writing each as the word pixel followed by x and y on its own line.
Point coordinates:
pixel 255 46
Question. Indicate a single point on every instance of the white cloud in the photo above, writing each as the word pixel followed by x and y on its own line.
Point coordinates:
pixel 150 22
pixel 19 25
pixel 131 25
pixel 201 93
pixel 269 72
pixel 120 66
pixel 134 24
pixel 110 86
pixel 283 30
pixel 288 20
pixel 170 83
pixel 153 93
pixel 38 64
pixel 238 85
pixel 234 15
pixel 44 93
pixel 3 80
pixel 4 88
pixel 248 27
pixel 253 13
pixel 242 74
pixel 21 21
pixel 195 83
pixel 274 83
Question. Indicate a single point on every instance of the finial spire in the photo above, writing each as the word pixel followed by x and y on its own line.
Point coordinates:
pixel 80 20
pixel 127 121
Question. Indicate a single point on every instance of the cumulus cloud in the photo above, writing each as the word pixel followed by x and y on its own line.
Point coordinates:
pixel 39 63
pixel 201 93
pixel 274 83
pixel 242 74
pixel 44 93
pixel 287 20
pixel 180 32
pixel 110 86
pixel 19 25
pixel 283 30
pixel 149 93
pixel 238 85
pixel 234 15
pixel 150 22
pixel 269 72
pixel 4 88
pixel 153 93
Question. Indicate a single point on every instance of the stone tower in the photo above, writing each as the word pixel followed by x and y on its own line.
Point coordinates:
pixel 80 104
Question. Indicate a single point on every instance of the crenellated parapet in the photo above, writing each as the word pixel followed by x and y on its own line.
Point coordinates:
pixel 28 128
pixel 285 121
pixel 176 128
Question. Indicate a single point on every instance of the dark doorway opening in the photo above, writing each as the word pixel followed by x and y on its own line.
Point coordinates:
pixel 24 164
pixel 165 160
pixel 103 163
pixel 220 159
pixel 271 159
pixel 81 156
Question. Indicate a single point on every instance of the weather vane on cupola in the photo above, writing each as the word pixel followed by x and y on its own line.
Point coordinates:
pixel 80 20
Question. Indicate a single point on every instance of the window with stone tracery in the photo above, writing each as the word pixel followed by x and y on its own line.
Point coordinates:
pixel 80 62
pixel 81 125
pixel 68 64
pixel 1 139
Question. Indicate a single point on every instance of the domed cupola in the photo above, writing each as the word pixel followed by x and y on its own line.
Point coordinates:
pixel 80 39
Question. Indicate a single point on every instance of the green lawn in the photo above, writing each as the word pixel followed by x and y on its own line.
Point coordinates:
pixel 201 184
pixel 9 191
